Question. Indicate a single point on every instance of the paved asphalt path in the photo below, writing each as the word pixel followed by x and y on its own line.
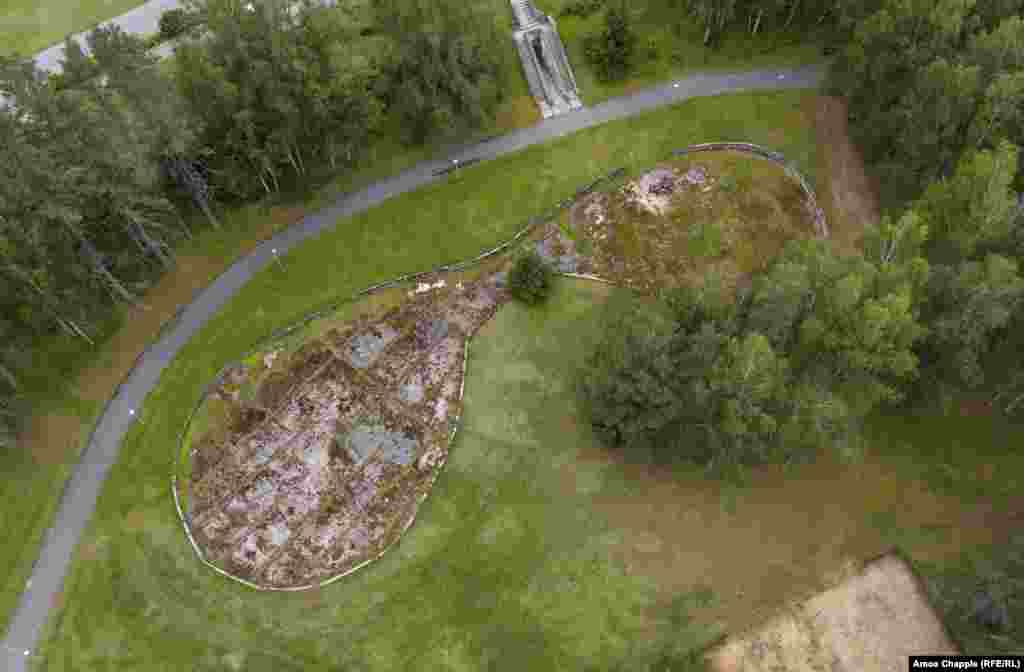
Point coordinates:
pixel 143 20
pixel 84 486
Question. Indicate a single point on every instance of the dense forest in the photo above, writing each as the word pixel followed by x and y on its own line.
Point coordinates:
pixel 107 167
pixel 797 360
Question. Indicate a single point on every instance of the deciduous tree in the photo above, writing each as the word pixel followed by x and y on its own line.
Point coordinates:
pixel 972 206
pixel 969 304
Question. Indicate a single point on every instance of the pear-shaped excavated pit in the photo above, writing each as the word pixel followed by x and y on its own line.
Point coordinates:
pixel 314 460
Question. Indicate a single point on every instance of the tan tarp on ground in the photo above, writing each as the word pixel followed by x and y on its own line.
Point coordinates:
pixel 870 622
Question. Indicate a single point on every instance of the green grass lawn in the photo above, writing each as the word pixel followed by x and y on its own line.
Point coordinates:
pixel 29 26
pixel 30 493
pixel 398 237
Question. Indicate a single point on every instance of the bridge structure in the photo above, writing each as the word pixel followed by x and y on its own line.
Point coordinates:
pixel 544 60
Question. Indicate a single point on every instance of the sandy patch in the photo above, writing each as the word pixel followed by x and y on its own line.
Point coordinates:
pixel 870 622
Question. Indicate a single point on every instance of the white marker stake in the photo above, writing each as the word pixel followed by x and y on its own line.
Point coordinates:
pixel 277 259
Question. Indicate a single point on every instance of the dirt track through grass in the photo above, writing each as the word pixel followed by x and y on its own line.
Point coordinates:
pixel 848 196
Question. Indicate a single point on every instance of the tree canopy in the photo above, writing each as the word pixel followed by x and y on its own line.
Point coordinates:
pixel 773 373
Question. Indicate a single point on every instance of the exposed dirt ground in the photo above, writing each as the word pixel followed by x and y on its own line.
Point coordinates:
pixel 871 622
pixel 847 194
pixel 324 454
pixel 722 211
pixel 517 113
pixel 312 456
pixel 683 532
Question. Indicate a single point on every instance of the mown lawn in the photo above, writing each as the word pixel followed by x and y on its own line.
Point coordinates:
pixel 402 235
pixel 29 26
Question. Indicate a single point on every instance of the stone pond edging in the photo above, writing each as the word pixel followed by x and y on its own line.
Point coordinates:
pixel 332 306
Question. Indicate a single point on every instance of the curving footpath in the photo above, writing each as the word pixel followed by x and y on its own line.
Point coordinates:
pixel 83 488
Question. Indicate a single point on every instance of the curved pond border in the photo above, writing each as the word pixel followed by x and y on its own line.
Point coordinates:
pixel 820 229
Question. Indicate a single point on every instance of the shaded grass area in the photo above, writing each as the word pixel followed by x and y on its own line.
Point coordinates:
pixel 945 442
pixel 30 492
pixel 398 237
pixel 953 589
pixel 676 38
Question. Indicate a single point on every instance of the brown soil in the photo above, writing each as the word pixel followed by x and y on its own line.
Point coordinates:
pixel 53 438
pixel 90 550
pixel 517 112
pixel 142 323
pixel 976 407
pixel 646 240
pixel 135 521
pixel 870 622
pixel 848 196
pixel 681 534
pixel 298 492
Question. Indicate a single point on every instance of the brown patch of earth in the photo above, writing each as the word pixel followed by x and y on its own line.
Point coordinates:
pixel 666 229
pixel 871 622
pixel 631 86
pixel 976 407
pixel 53 438
pixel 326 479
pixel 848 195
pixel 313 599
pixel 89 550
pixel 135 521
pixel 517 112
pixel 785 537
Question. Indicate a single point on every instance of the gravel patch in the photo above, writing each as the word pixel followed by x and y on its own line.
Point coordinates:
pixel 395 447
